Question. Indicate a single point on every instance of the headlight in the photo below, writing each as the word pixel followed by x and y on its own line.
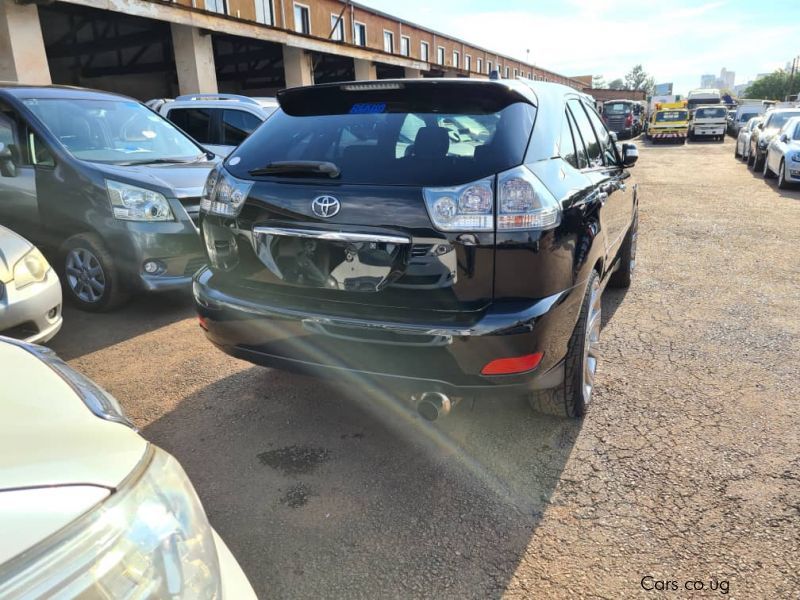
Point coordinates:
pixel 795 157
pixel 149 539
pixel 132 203
pixel 31 268
pixel 223 194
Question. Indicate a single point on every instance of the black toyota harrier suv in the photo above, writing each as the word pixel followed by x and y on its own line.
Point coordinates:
pixel 444 238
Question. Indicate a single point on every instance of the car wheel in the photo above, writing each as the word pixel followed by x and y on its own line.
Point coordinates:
pixel 750 158
pixel 782 183
pixel 766 172
pixel 621 278
pixel 90 278
pixel 572 397
pixel 758 161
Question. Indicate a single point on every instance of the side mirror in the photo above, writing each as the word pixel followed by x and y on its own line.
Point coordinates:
pixel 614 136
pixel 8 167
pixel 785 138
pixel 760 126
pixel 630 154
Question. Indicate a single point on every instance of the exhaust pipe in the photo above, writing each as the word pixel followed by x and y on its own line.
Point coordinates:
pixel 432 405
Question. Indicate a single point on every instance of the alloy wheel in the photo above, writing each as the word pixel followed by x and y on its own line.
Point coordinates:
pixel 85 275
pixel 591 341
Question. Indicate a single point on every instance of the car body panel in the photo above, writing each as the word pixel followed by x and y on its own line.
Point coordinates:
pixel 762 135
pixel 80 447
pixel 780 151
pixel 43 511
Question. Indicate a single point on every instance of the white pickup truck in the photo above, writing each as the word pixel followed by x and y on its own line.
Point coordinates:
pixel 708 122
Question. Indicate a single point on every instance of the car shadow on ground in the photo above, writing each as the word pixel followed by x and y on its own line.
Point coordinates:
pixel 326 490
pixel 612 300
pixel 85 332
pixel 790 193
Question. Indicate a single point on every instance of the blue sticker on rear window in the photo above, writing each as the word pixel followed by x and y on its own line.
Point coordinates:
pixel 368 108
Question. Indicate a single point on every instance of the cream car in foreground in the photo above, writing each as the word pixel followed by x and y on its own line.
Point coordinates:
pixel 30 293
pixel 88 508
pixel 783 155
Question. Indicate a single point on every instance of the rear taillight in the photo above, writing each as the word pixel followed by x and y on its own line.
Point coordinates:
pixel 522 203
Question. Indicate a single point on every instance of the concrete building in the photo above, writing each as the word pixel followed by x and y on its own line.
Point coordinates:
pixel 154 48
pixel 602 94
pixel 727 79
pixel 708 81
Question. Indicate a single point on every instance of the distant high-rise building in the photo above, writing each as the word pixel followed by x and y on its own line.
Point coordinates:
pixel 708 81
pixel 727 79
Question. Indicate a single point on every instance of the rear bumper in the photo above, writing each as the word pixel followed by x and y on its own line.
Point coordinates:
pixel 410 356
pixel 666 135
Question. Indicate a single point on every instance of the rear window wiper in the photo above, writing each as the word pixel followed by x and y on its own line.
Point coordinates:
pixel 298 167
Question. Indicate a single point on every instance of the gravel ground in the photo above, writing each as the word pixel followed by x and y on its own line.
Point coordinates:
pixel 686 469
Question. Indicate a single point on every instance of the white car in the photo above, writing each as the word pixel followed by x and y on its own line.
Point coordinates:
pixel 742 147
pixel 783 155
pixel 88 508
pixel 219 122
pixel 30 293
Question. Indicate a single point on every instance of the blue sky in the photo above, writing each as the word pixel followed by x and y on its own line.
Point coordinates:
pixel 676 40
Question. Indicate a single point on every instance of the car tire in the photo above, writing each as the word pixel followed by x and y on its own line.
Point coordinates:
pixel 622 277
pixel 572 397
pixel 758 162
pixel 736 151
pixel 90 275
pixel 782 183
pixel 766 172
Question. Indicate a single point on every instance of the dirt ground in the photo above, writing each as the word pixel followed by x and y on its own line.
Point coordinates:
pixel 686 469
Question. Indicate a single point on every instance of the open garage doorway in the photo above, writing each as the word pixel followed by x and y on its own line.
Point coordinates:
pixel 384 71
pixel 247 66
pixel 330 68
pixel 109 51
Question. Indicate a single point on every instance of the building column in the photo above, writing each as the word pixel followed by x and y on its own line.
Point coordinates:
pixel 297 67
pixel 22 54
pixel 413 73
pixel 364 69
pixel 194 60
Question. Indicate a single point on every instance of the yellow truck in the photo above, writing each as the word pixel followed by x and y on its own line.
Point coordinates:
pixel 669 121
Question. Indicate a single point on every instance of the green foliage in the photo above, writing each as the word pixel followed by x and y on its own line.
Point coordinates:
pixel 616 84
pixel 598 82
pixel 638 79
pixel 775 86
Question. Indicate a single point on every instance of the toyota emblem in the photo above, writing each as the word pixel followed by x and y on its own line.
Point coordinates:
pixel 325 206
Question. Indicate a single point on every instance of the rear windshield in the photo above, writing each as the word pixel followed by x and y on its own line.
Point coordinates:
pixel 617 107
pixel 670 115
pixel 710 113
pixel 370 146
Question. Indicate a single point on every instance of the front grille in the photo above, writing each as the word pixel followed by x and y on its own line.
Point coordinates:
pixel 194 265
pixel 21 331
pixel 192 208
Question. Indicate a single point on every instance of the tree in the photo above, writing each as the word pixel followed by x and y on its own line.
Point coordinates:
pixel 638 79
pixel 775 86
pixel 616 84
pixel 598 82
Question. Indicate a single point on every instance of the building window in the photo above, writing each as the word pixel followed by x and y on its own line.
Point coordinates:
pixel 479 65
pixel 507 72
pixel 388 41
pixel 455 59
pixel 423 51
pixel 440 55
pixel 516 73
pixel 489 67
pixel 529 74
pixel 405 45
pixel 468 62
pixel 359 34
pixel 264 12
pixel 302 24
pixel 337 28
pixel 217 6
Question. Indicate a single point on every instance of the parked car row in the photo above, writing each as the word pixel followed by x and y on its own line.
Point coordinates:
pixel 770 145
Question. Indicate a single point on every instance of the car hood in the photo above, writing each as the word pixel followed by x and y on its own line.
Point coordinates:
pixel 12 248
pixel 49 437
pixel 173 180
pixel 57 458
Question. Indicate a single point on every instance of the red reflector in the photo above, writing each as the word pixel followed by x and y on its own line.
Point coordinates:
pixel 202 321
pixel 516 364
